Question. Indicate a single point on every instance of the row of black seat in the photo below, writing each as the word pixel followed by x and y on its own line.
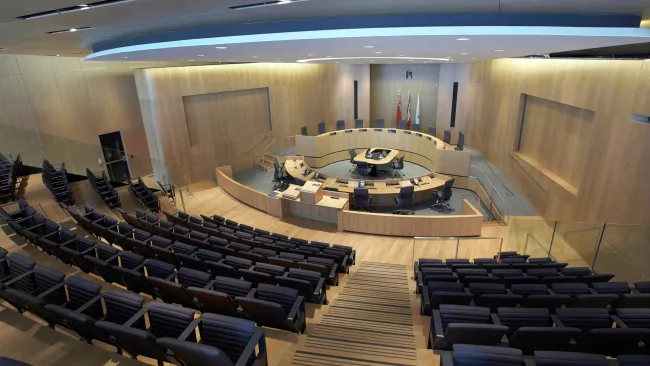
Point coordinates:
pixel 10 170
pixel 102 186
pixel 56 180
pixel 160 331
pixel 473 355
pixel 145 195
pixel 588 330
pixel 267 304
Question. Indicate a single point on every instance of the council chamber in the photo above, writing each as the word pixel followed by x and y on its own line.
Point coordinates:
pixel 311 182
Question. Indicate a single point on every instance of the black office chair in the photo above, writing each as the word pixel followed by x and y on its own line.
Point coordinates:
pixel 362 199
pixel 397 165
pixel 358 123
pixel 442 196
pixel 379 123
pixel 403 200
pixel 363 168
pixel 321 128
pixel 415 127
pixel 461 141
pixel 303 130
pixel 340 125
pixel 432 131
pixel 401 124
pixel 447 137
pixel 353 154
pixel 279 175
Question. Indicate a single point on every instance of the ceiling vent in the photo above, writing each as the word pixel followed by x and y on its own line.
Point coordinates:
pixel 70 9
pixel 266 3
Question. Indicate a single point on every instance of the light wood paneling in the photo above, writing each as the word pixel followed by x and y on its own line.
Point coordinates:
pixel 298 95
pixel 609 174
pixel 386 80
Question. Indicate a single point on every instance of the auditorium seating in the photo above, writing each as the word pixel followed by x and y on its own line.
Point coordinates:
pixel 102 186
pixel 145 195
pixel 57 183
pixel 9 173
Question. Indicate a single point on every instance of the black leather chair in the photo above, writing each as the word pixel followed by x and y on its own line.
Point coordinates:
pixel 303 130
pixel 415 127
pixel 403 200
pixel 401 124
pixel 353 154
pixel 309 284
pixel 461 142
pixel 363 168
pixel 340 125
pixel 379 123
pixel 321 128
pixel 442 196
pixel 551 358
pixel 447 137
pixel 473 355
pixel 454 324
pixel 436 293
pixel 362 199
pixel 532 329
pixel 397 165
pixel 358 123
pixel 275 306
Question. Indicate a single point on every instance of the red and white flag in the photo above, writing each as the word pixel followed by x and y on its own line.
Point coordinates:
pixel 399 108
pixel 408 113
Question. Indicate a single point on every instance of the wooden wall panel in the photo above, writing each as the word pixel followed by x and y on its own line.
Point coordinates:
pixel 614 168
pixel 386 80
pixel 298 95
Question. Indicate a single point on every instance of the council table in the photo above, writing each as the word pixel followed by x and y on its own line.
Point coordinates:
pixel 390 155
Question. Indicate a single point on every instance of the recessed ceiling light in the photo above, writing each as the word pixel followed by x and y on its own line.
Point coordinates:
pixel 232 61
pixel 58 55
pixel 221 47
pixel 410 60
pixel 337 62
pixel 124 57
pixel 498 50
pixel 328 56
pixel 464 53
pixel 462 39
pixel 190 60
pixel 310 54
pixel 400 55
pixel 255 56
pixel 368 46
pixel 372 60
pixel 200 55
pixel 73 29
pixel 378 52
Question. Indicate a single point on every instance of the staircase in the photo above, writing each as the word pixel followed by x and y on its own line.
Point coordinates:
pixel 265 161
pixel 373 320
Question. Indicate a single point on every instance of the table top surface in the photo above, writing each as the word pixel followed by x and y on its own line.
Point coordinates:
pixel 429 181
pixel 386 160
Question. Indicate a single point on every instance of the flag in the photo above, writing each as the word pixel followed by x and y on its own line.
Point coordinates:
pixel 408 113
pixel 399 108
pixel 417 112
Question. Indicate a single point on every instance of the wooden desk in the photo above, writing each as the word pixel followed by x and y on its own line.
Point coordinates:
pixel 386 160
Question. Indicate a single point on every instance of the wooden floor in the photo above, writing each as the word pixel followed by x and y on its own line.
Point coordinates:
pixel 356 328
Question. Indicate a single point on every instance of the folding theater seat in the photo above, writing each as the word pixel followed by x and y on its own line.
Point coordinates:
pixel 473 355
pixel 632 300
pixel 137 282
pixel 271 269
pixel 18 266
pixel 216 302
pixel 454 324
pixel 194 354
pixel 49 243
pixel 164 321
pixel 616 288
pixel 493 295
pixel 633 360
pixel 332 269
pixel 551 358
pixel 532 329
pixel 582 296
pixel 597 278
pixel 308 283
pixel 435 294
pixel 576 271
pixel 642 287
pixel 131 261
pixel 276 307
pixel 135 239
pixel 36 282
pixel 172 292
pixel 541 260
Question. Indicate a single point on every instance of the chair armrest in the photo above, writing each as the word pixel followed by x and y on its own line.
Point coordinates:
pixel 420 282
pixel 509 291
pixel 22 276
pixel 619 322
pixel 437 324
pixel 592 291
pixel 136 317
pixel 529 362
pixel 446 358
pixel 171 276
pixel 495 319
pixel 426 301
pixel 320 287
pixel 90 303
pixel 138 268
pixel 209 285
pixel 113 258
pixel 251 293
pixel 190 328
pixel 48 235
pixel 34 227
pixel 334 273
pixel 249 351
pixel 557 321
pixel 294 309
pixel 52 289
pixel 550 291
pixel 87 250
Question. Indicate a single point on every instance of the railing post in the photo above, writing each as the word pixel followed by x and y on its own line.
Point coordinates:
pixel 526 243
pixel 457 245
pixel 500 250
pixel 600 240
pixel 550 247
pixel 182 200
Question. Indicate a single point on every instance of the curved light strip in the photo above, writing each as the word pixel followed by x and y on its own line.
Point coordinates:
pixel 382 32
pixel 375 58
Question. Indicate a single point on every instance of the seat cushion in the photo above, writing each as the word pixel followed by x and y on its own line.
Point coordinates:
pixel 473 355
pixel 229 334
pixel 553 358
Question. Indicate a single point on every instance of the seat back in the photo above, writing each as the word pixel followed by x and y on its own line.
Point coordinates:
pixel 321 128
pixel 584 318
pixel 121 306
pixel 545 338
pixel 447 137
pixel 551 358
pixel 401 124
pixel 172 292
pixel 487 288
pixel 358 123
pixel 215 301
pixel 137 342
pixel 160 269
pixel 473 355
pixel 471 333
pixel 19 265
pixel 229 334
pixel 635 318
pixel 463 314
pixel 192 278
pixel 130 260
pixel 571 288
pixel 81 291
pixel 618 288
pixel 135 281
pixel 46 278
pixel 220 269
pixel 195 354
pixel 81 323
pixel 231 286
pixel 515 318
pixel 167 320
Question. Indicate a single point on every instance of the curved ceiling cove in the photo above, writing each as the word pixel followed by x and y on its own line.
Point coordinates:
pixel 399 39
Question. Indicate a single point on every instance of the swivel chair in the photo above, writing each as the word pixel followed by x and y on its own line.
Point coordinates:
pixel 279 176
pixel 461 142
pixel 340 125
pixel 442 196
pixel 353 154
pixel 401 124
pixel 362 199
pixel 363 168
pixel 432 131
pixel 447 137
pixel 358 123
pixel 415 127
pixel 321 128
pixel 379 123
pixel 397 165
pixel 303 130
pixel 403 200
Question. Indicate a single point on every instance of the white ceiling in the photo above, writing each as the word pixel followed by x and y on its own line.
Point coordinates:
pixel 151 16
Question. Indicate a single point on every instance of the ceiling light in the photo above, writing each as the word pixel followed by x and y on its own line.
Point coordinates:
pixel 124 57
pixel 265 3
pixel 462 39
pixel 372 59
pixel 73 29
pixel 464 53
pixel 368 46
pixel 328 56
pixel 70 9
pixel 410 60
pixel 200 55
pixel 232 61
pixel 498 50
pixel 400 55
pixel 311 54
pixel 255 56
pixel 190 60
pixel 337 62
pixel 378 53
pixel 58 55
pixel 221 47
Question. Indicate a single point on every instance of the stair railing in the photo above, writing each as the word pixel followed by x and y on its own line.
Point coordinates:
pixel 259 158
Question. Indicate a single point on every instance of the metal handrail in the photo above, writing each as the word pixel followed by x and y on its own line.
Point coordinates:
pixel 264 152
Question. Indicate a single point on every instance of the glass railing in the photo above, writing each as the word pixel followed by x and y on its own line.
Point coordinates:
pixel 452 247
pixel 499 197
pixel 619 249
